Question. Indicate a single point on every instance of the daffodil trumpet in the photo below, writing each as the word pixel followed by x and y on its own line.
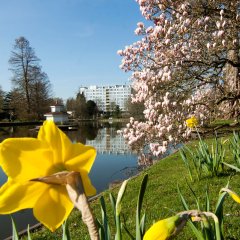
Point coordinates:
pixel 73 182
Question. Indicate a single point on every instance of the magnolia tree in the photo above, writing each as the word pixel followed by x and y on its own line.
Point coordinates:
pixel 186 63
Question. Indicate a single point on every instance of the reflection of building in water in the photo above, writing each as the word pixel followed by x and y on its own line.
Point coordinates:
pixel 108 141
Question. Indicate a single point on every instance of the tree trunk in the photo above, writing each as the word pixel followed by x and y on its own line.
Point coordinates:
pixel 232 83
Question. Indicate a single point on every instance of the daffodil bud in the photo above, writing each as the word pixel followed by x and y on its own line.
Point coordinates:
pixel 232 194
pixel 166 228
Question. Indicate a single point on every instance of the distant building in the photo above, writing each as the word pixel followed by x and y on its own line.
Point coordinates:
pixel 107 96
pixel 58 114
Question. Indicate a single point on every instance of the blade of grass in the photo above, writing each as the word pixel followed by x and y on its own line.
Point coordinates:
pixel 232 167
pixel 28 233
pixel 14 230
pixel 104 219
pixel 66 233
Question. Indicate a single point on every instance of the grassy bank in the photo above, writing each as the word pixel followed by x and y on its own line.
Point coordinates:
pixel 161 199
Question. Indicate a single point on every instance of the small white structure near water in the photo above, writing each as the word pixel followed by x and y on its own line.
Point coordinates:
pixel 58 114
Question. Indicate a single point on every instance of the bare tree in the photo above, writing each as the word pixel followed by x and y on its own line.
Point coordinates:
pixel 1 97
pixel 40 92
pixel 29 80
pixel 22 61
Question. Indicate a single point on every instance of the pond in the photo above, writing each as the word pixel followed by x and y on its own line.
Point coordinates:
pixel 114 162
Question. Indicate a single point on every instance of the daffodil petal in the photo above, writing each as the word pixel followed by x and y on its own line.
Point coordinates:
pixel 53 207
pixel 15 196
pixel 82 158
pixel 89 189
pixel 57 140
pixel 25 158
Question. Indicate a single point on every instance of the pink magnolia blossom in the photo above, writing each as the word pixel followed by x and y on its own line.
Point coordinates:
pixel 178 67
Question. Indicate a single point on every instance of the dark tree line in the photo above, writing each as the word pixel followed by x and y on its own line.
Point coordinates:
pixel 82 109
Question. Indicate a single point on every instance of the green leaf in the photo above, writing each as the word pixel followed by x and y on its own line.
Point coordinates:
pixel 207 201
pixel 207 228
pixel 185 160
pixel 196 232
pixel 184 203
pixel 120 196
pixel 232 166
pixel 128 232
pixel 219 209
pixel 14 230
pixel 66 233
pixel 113 204
pixel 195 196
pixel 142 224
pixel 28 232
pixel 105 219
pixel 142 190
pixel 100 229
pixel 121 192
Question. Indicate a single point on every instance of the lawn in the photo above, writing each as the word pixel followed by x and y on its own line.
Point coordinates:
pixel 161 199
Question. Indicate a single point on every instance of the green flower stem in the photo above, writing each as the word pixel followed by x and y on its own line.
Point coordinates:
pixel 77 195
pixel 118 230
pixel 217 228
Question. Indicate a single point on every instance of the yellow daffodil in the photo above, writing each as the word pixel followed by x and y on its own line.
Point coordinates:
pixel 25 159
pixel 165 229
pixel 192 122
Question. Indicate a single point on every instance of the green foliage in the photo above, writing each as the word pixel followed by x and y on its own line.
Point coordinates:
pixel 235 147
pixel 119 224
pixel 205 160
pixel 208 229
pixel 91 108
pixel 116 111
pixel 220 122
pixel 78 105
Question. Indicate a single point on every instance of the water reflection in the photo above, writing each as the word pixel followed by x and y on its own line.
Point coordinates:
pixel 115 162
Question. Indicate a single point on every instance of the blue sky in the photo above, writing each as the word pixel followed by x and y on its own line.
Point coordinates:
pixel 76 40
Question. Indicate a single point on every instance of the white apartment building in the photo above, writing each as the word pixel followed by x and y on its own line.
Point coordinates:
pixel 107 96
